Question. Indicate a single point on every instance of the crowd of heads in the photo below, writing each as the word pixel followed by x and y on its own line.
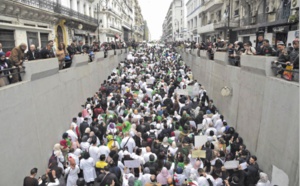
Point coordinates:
pixel 140 129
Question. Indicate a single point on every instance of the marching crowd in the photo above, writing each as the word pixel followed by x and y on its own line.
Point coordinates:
pixel 150 111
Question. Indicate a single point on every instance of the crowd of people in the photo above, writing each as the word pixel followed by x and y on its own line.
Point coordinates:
pixel 140 128
pixel 286 64
pixel 12 62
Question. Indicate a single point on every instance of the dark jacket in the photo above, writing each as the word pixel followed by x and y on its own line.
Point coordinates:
pixel 283 56
pixel 45 53
pixel 32 56
pixel 258 48
pixel 71 50
pixel 294 58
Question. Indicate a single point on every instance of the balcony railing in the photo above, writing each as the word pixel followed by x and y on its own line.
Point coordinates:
pixel 57 8
pixel 213 4
pixel 224 24
pixel 114 27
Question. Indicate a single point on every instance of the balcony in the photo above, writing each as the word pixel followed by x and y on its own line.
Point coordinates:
pixel 211 5
pixel 206 29
pixel 126 25
pixel 224 24
pixel 59 9
pixel 115 28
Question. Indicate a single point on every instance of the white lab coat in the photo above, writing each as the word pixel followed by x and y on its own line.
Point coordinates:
pixel 88 167
pixel 72 175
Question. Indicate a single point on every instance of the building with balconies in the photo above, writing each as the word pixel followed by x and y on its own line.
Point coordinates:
pixel 276 20
pixel 36 22
pixel 175 21
pixel 110 20
pixel 138 27
pixel 127 19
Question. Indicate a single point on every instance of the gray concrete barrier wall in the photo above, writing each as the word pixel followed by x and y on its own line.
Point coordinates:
pixel 35 113
pixel 264 109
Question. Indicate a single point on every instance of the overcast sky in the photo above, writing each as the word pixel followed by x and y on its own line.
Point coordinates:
pixel 154 12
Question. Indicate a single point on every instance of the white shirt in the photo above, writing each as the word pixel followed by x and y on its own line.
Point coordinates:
pixel 147 155
pixel 219 125
pixel 72 135
pixel 104 150
pixel 202 181
pixel 88 167
pixel 210 129
pixel 130 144
pixel 94 152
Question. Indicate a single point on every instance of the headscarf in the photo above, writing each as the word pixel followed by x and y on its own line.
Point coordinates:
pixel 163 176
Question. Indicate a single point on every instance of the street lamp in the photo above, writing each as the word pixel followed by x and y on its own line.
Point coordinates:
pixel 227 14
pixel 177 30
pixel 104 2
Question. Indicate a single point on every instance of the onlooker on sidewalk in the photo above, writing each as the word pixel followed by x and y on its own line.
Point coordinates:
pixel 47 51
pixel 61 54
pixel 32 53
pixel 259 45
pixel 249 50
pixel 4 64
pixel 267 50
pixel 17 57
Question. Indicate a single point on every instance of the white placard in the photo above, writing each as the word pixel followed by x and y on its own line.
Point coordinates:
pixel 132 163
pixel 149 81
pixel 279 177
pixel 243 165
pixel 200 126
pixel 231 164
pixel 200 140
pixel 182 92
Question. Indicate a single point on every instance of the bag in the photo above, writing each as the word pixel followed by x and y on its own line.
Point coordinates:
pixel 152 136
pixel 288 75
pixel 67 58
pixel 164 149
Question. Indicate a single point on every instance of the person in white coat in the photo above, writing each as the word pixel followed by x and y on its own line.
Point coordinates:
pixel 128 142
pixel 72 171
pixel 88 167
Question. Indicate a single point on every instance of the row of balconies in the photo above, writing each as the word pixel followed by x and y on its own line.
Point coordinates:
pixel 49 6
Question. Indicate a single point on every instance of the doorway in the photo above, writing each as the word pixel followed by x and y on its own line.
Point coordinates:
pixel 60 35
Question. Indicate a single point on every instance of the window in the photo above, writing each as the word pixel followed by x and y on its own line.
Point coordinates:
pixel 32 38
pixel 44 39
pixel 7 39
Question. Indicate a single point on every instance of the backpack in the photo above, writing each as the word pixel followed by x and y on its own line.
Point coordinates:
pixel 164 149
pixel 152 135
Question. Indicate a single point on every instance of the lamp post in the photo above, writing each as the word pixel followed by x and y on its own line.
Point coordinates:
pixel 227 13
pixel 98 16
pixel 177 30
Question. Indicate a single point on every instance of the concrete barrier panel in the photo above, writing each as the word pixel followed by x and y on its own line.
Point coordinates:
pixel 264 109
pixel 35 113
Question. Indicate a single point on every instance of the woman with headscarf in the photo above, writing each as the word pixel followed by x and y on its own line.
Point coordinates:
pixel 57 153
pixel 163 176
pixel 3 73
pixel 72 171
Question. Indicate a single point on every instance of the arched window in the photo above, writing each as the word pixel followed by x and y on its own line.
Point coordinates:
pixel 60 35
